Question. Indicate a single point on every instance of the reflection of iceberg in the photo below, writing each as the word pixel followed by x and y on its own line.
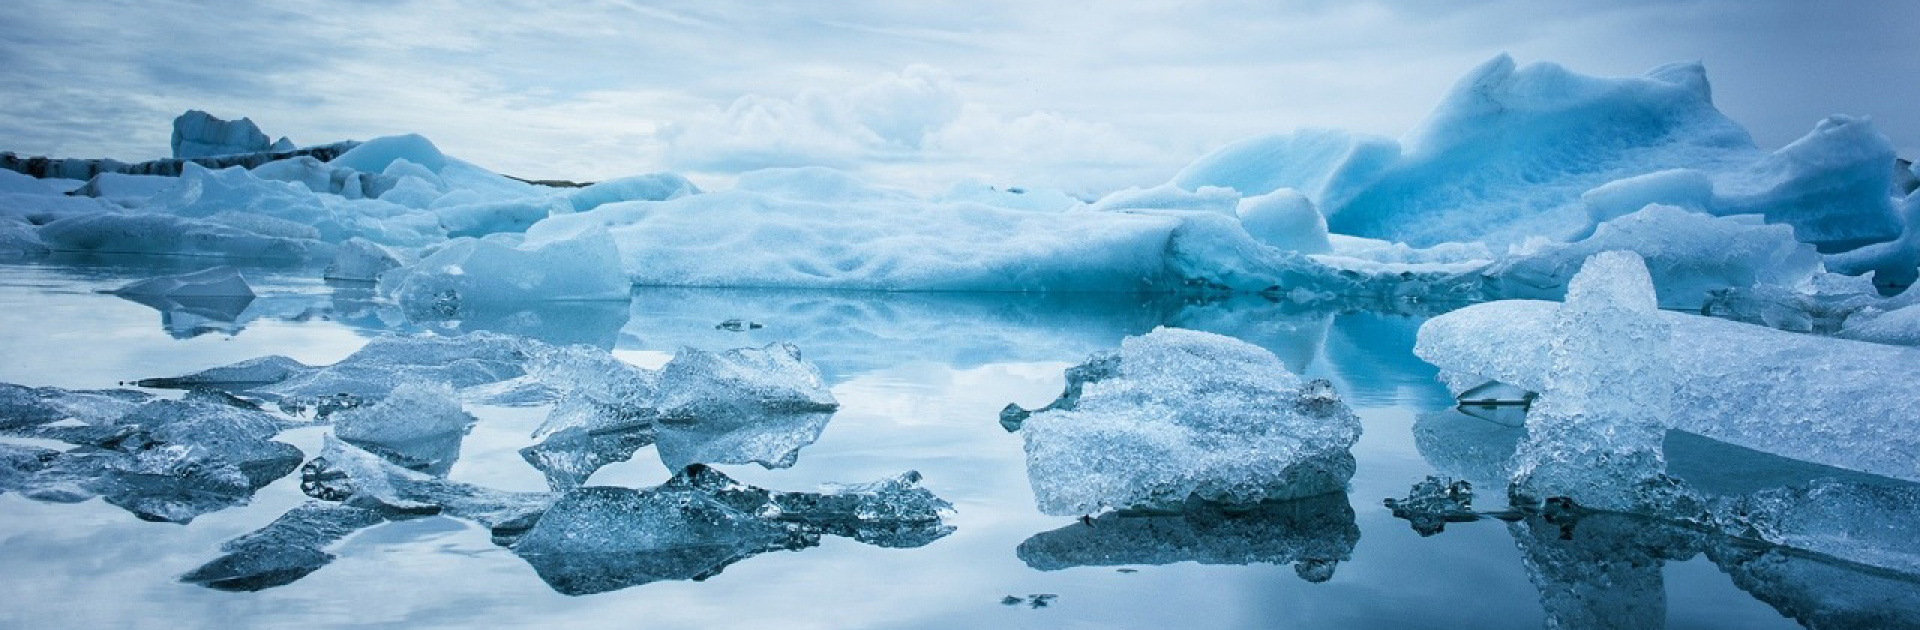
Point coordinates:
pixel 286 550
pixel 374 370
pixel 1603 570
pixel 1848 560
pixel 599 539
pixel 746 405
pixel 163 460
pixel 587 540
pixel 1314 533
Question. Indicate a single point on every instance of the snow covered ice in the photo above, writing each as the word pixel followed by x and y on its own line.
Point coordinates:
pixel 1188 416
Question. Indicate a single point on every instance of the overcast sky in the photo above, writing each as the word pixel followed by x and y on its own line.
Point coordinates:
pixel 1083 96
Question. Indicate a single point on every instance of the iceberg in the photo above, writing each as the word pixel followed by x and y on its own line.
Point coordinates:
pixel 1187 416
pixel 162 460
pixel 371 372
pixel 1509 152
pixel 1831 186
pixel 360 260
pixel 213 282
pixel 154 233
pixel 1434 502
pixel 1286 220
pixel 126 190
pixel 1327 166
pixel 199 134
pixel 648 187
pixel 1596 433
pixel 1894 264
pixel 471 274
pixel 1817 399
pixel 735 407
pixel 346 474
pixel 418 426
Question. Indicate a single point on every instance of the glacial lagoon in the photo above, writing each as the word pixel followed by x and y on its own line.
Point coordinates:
pixel 921 379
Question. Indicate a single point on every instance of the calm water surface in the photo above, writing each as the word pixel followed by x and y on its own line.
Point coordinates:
pixel 921 379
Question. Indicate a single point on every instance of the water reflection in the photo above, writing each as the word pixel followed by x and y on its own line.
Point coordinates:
pixel 1848 562
pixel 1314 534
pixel 945 351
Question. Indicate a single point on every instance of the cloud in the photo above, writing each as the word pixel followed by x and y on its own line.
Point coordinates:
pixel 915 128
pixel 903 93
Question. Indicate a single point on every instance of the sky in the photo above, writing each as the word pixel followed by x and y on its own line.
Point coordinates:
pixel 1084 97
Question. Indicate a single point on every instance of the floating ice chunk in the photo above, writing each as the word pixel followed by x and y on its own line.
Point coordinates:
pixel 199 134
pixel 372 371
pixel 600 539
pixel 1314 534
pixel 213 282
pixel 648 187
pixel 150 233
pixel 1434 502
pixel 284 551
pixel 165 460
pixel 1817 399
pixel 1508 153
pixel 374 156
pixel 1595 434
pixel 1286 220
pixel 1874 525
pixel 346 473
pixel 741 385
pixel 569 456
pixel 34 406
pixel 360 260
pixel 476 273
pixel 1689 255
pixel 1830 185
pixel 418 426
pixel 735 407
pixel 1328 166
pixel 1189 416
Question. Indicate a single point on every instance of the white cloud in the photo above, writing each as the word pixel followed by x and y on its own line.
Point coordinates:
pixel 913 128
pixel 1025 93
